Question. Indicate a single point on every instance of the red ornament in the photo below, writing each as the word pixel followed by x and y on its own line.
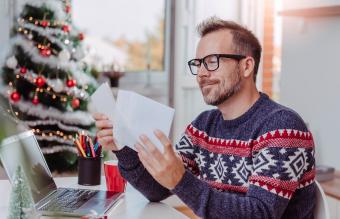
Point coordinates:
pixel 68 9
pixel 45 52
pixel 15 96
pixel 71 83
pixel 23 70
pixel 75 103
pixel 44 23
pixel 40 81
pixel 66 28
pixel 35 100
pixel 81 36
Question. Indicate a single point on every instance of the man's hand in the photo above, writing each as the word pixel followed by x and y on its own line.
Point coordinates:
pixel 105 132
pixel 167 168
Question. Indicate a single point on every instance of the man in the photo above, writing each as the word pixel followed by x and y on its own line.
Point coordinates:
pixel 249 158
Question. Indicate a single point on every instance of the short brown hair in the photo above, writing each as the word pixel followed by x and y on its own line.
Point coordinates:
pixel 245 41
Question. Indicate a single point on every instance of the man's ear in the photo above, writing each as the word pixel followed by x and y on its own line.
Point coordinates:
pixel 248 65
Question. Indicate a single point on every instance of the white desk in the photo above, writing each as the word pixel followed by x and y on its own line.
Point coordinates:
pixel 134 205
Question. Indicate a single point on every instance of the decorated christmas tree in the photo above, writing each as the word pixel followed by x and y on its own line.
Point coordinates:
pixel 45 81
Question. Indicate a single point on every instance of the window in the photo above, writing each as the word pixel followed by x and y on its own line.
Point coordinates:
pixel 127 34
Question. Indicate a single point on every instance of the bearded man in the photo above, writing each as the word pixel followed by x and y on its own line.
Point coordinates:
pixel 248 158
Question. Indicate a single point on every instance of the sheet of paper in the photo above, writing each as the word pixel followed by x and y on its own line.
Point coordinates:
pixel 104 101
pixel 141 115
pixel 132 115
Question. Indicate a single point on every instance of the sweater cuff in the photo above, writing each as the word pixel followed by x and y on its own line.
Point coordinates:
pixel 127 158
pixel 185 184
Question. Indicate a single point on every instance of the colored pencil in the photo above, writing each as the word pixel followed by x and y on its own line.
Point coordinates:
pixel 92 148
pixel 80 148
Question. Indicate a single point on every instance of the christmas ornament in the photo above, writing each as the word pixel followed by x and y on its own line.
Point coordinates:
pixel 71 83
pixel 64 55
pixel 66 28
pixel 44 23
pixel 12 62
pixel 81 94
pixel 74 82
pixel 57 85
pixel 23 70
pixel 46 52
pixel 30 36
pixel 68 9
pixel 15 96
pixel 81 36
pixel 35 100
pixel 78 53
pixel 73 91
pixel 75 103
pixel 40 81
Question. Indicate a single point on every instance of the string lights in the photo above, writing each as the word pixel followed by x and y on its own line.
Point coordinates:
pixel 15 96
pixel 52 133
pixel 43 23
pixel 40 81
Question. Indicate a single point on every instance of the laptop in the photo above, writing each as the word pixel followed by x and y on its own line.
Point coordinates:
pixel 23 149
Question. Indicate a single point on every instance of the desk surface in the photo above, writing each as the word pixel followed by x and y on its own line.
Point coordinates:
pixel 133 205
pixel 332 187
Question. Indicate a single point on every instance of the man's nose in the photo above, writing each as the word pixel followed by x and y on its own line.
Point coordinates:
pixel 202 71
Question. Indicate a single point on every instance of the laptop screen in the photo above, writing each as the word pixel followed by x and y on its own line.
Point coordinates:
pixel 23 150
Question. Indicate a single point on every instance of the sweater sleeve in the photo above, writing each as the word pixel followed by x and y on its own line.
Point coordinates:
pixel 283 162
pixel 134 172
pixel 185 149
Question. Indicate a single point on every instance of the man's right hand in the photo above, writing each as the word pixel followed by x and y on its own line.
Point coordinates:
pixel 105 132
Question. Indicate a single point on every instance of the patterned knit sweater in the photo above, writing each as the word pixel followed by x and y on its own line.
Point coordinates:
pixel 259 165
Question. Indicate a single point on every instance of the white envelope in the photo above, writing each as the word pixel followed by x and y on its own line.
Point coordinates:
pixel 132 115
pixel 104 102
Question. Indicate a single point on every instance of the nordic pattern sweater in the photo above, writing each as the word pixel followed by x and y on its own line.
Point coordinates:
pixel 259 165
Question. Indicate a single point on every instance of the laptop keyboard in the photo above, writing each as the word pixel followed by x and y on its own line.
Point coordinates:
pixel 68 200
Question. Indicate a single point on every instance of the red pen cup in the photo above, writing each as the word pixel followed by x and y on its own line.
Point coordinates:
pixel 114 181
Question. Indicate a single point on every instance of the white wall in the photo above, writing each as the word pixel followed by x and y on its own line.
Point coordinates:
pixel 300 4
pixel 4 36
pixel 310 79
pixel 5 14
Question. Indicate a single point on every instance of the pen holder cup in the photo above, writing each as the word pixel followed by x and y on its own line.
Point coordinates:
pixel 89 171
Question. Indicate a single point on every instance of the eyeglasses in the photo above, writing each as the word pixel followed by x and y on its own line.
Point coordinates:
pixel 211 62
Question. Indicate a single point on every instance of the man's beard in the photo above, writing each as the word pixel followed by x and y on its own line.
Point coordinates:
pixel 223 93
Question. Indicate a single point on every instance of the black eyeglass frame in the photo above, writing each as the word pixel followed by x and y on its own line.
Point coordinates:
pixel 230 56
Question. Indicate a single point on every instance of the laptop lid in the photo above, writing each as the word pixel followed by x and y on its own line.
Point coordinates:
pixel 23 149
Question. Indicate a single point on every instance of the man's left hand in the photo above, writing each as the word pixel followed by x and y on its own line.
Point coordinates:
pixel 166 168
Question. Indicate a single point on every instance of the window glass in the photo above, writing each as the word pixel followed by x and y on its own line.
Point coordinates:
pixel 127 34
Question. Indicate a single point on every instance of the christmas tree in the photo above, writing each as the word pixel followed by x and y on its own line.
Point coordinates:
pixel 45 81
pixel 21 196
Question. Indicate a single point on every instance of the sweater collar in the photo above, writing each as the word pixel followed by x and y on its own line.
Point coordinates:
pixel 244 117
